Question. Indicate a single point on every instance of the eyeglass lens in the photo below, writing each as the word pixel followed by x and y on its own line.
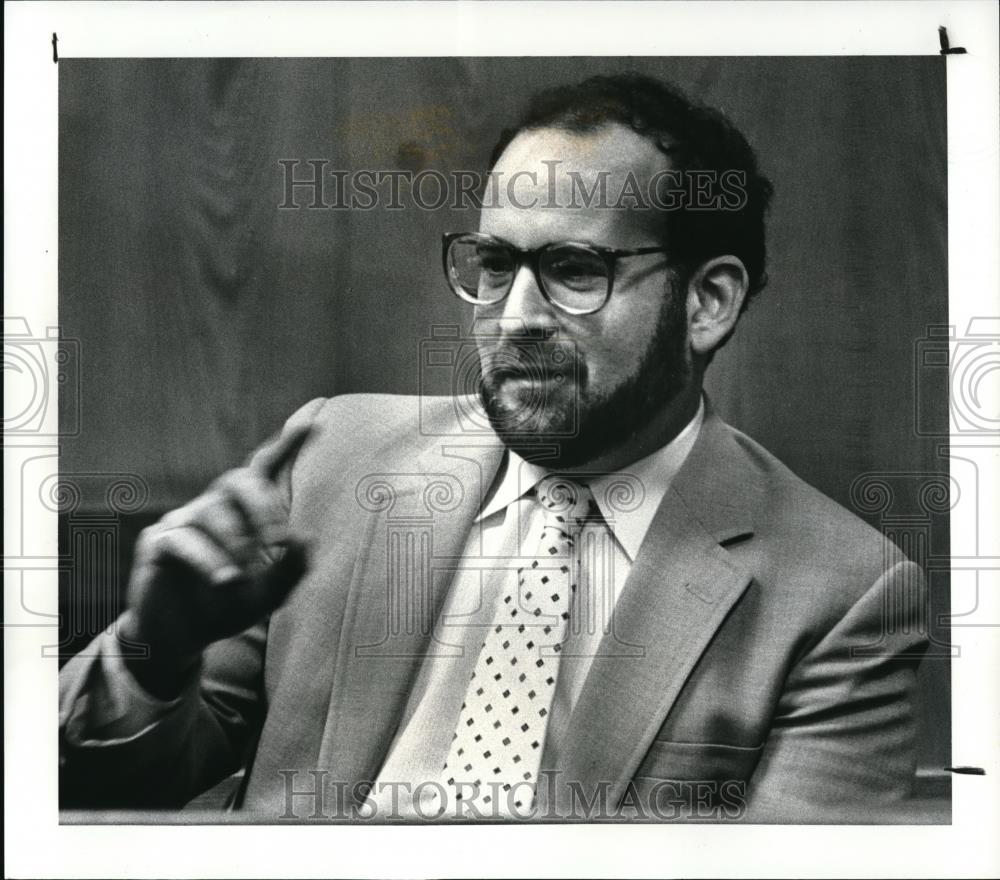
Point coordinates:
pixel 574 277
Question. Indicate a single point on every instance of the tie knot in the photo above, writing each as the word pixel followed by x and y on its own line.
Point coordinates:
pixel 563 498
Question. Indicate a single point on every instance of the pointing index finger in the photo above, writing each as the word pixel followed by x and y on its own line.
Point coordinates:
pixel 273 459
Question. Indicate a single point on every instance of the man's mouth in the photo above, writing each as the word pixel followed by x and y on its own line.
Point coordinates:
pixel 519 368
pixel 508 374
pixel 519 384
pixel 518 380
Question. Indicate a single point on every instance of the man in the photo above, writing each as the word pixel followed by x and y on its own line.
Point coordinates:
pixel 609 605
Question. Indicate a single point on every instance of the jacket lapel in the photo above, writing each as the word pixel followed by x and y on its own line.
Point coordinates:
pixel 679 591
pixel 414 531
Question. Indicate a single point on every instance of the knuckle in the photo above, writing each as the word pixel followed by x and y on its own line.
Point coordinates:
pixel 146 539
pixel 232 480
pixel 210 511
pixel 168 541
pixel 194 548
pixel 256 499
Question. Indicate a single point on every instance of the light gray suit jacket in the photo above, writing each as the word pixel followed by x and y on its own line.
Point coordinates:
pixel 770 642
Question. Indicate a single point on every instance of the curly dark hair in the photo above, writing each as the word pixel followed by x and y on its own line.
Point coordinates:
pixel 693 136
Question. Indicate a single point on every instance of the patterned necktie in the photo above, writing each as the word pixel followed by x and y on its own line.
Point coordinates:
pixel 496 751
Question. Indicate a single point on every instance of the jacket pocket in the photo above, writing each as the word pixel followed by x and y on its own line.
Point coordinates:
pixel 699 761
pixel 693 782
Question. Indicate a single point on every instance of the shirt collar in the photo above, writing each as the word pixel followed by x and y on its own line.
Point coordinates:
pixel 630 523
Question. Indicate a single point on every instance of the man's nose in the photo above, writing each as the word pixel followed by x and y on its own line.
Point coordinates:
pixel 526 302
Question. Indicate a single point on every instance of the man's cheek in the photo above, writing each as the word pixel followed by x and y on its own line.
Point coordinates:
pixel 599 376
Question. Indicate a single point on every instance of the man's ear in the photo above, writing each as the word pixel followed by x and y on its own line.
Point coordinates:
pixel 715 297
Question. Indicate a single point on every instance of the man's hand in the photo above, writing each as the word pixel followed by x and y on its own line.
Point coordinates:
pixel 212 568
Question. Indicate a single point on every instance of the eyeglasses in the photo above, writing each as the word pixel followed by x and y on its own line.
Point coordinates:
pixel 576 278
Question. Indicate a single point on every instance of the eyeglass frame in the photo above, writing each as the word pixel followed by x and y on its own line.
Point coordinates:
pixel 532 258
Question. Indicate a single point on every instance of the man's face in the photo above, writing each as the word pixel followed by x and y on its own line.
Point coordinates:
pixel 599 378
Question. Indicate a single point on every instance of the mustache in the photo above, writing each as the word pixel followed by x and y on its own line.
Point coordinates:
pixel 531 359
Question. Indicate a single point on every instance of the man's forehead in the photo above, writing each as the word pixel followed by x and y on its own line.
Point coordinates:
pixel 548 185
pixel 612 150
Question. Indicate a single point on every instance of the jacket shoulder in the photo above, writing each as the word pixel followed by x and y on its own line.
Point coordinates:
pixel 366 418
pixel 804 528
pixel 362 430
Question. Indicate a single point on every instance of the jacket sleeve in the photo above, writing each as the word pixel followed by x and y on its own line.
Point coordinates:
pixel 842 745
pixel 120 747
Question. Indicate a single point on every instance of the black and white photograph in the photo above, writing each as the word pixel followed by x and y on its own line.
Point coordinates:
pixel 483 436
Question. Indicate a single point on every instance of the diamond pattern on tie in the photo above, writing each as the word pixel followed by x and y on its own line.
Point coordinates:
pixel 496 750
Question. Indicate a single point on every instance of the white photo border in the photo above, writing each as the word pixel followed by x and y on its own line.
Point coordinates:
pixel 38 846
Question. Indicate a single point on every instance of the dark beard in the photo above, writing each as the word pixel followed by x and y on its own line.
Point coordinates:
pixel 578 427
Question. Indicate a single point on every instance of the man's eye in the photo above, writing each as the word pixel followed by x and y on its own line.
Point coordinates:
pixel 574 267
pixel 571 269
